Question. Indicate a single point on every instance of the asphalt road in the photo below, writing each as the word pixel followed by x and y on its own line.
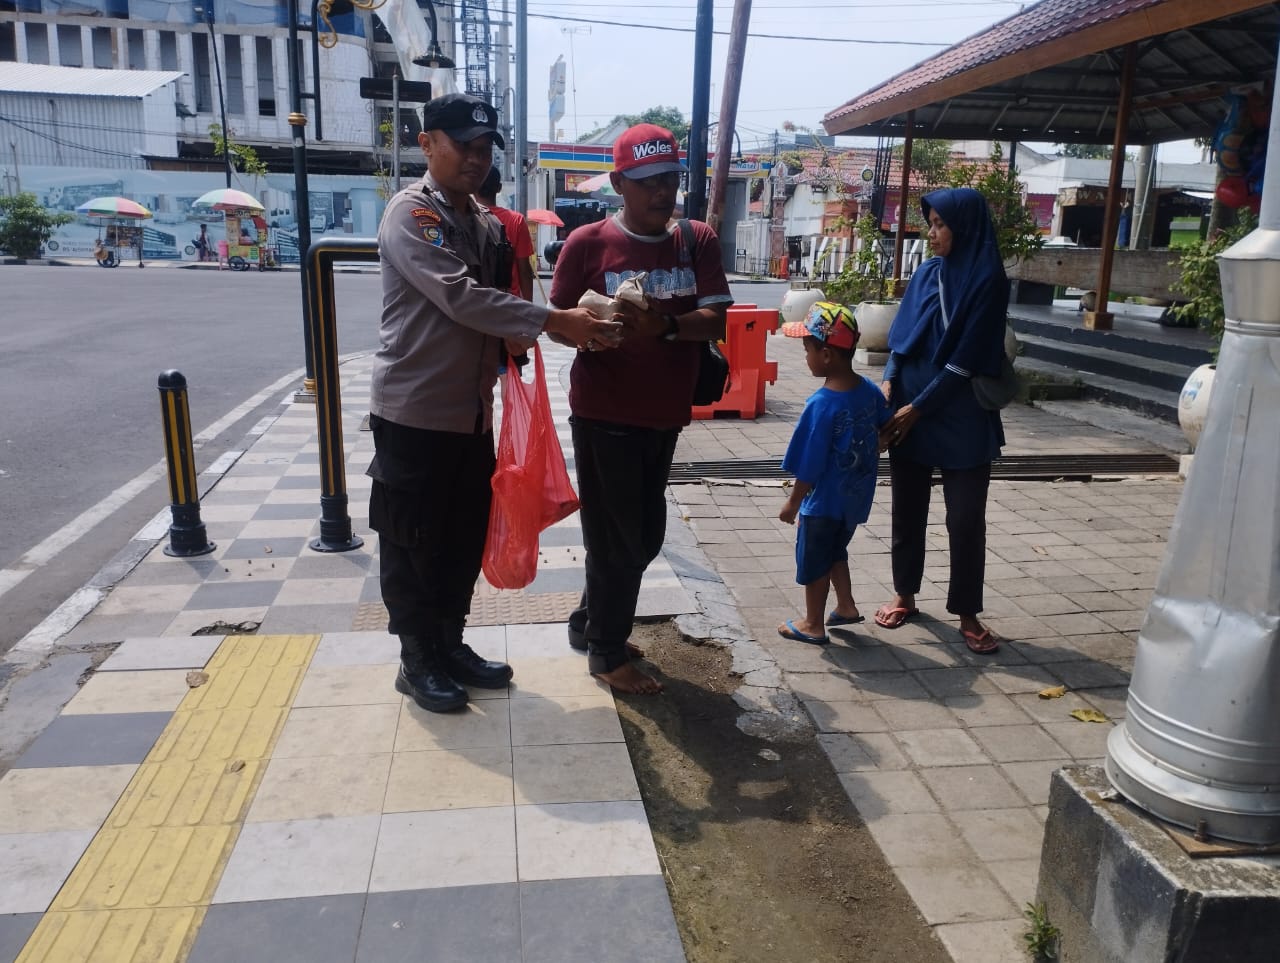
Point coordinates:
pixel 80 352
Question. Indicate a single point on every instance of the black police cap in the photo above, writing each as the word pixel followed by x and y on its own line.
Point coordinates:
pixel 463 117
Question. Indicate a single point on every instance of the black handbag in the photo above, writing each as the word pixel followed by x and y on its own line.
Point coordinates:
pixel 713 374
pixel 713 366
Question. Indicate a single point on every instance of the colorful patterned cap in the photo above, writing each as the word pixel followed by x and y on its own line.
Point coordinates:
pixel 832 324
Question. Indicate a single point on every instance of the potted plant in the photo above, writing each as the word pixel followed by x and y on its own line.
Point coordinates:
pixel 863 286
pixel 1199 279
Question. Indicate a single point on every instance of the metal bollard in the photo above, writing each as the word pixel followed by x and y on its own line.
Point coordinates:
pixel 187 533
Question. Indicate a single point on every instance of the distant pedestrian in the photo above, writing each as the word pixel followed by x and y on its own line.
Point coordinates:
pixel 949 328
pixel 517 231
pixel 833 454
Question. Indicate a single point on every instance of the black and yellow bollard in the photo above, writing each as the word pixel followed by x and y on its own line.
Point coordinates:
pixel 187 533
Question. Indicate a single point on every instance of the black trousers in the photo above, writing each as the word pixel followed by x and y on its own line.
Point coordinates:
pixel 622 484
pixel 965 493
pixel 430 507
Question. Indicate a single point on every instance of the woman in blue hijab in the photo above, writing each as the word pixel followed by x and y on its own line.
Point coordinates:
pixel 949 328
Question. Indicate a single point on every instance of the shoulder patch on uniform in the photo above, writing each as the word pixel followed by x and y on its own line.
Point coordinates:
pixel 426 214
pixel 432 234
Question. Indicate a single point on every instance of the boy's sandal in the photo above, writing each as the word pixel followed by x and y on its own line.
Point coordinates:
pixel 888 617
pixel 789 631
pixel 983 643
pixel 835 618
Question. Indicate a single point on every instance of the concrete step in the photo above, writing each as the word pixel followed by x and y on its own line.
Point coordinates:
pixel 1113 363
pixel 1173 345
pixel 1152 402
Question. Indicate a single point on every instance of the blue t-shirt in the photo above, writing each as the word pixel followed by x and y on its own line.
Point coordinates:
pixel 835 449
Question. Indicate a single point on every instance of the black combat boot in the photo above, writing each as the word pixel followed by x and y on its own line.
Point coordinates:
pixel 463 663
pixel 424 679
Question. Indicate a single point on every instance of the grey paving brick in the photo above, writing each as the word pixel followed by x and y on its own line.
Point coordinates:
pixel 921 839
pixel 888 685
pixel 319 929
pixel 956 894
pixel 108 739
pixel 1018 743
pixel 15 930
pixel 577 921
pixel 861 752
pixel 879 794
pixel 1084 740
pixel 1079 623
pixel 845 717
pixel 952 682
pixel 1023 678
pixel 1090 675
pixel 971 787
pixel 986 709
pixel 941 747
pixel 905 715
pixel 996 941
pixel 451 923
pixel 999 834
pixel 1032 778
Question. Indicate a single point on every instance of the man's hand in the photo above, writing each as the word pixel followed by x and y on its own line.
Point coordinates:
pixel 581 328
pixel 641 322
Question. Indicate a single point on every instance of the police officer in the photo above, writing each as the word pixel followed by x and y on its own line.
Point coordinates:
pixel 445 318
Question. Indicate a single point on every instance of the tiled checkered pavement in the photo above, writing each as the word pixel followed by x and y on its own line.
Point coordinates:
pixel 293 806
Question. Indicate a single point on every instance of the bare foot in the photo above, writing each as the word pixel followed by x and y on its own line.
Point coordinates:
pixel 634 651
pixel 627 678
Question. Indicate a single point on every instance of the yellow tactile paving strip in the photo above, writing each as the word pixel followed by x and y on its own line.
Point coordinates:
pixel 140 891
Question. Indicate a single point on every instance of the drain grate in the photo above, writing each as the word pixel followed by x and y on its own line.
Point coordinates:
pixel 1008 468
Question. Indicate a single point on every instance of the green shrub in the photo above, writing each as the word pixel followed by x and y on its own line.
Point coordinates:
pixel 1198 277
pixel 25 226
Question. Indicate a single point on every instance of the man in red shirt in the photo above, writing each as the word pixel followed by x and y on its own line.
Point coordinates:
pixel 517 230
pixel 629 405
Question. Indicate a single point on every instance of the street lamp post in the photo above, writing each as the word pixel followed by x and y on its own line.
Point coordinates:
pixel 302 200
pixel 206 12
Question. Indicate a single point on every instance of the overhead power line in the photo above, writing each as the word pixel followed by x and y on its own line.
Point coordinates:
pixel 754 36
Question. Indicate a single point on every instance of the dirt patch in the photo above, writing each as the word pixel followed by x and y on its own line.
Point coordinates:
pixel 766 860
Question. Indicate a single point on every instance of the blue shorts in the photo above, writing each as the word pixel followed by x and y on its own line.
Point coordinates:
pixel 820 544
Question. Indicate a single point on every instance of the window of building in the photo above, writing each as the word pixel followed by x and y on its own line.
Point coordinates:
pixel 203 81
pixel 233 73
pixel 69 52
pixel 266 78
pixel 37 43
pixel 137 50
pixel 103 39
pixel 168 50
pixel 8 41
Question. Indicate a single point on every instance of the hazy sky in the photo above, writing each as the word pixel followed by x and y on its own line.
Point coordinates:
pixel 617 62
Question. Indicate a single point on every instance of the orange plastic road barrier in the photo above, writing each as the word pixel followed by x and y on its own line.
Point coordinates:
pixel 746 329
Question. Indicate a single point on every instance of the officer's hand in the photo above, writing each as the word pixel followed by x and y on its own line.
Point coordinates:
pixel 583 329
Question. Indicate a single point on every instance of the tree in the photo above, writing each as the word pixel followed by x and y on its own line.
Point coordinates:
pixel 1085 151
pixel 930 162
pixel 243 157
pixel 668 117
pixel 25 226
pixel 1017 234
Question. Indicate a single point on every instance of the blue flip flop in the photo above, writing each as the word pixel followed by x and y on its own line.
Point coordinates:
pixel 835 618
pixel 795 635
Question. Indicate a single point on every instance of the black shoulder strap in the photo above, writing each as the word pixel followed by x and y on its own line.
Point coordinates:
pixel 687 238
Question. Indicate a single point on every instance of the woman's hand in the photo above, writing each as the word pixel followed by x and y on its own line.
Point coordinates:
pixel 897 427
pixel 886 389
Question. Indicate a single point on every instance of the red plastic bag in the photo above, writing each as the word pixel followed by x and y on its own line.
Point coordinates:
pixel 531 487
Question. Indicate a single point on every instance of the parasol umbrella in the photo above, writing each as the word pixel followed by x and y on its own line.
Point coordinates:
pixel 540 215
pixel 599 182
pixel 228 199
pixel 113 207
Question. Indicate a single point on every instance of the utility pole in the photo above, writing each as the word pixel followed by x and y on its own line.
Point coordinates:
pixel 522 103
pixel 695 199
pixel 573 69
pixel 207 11
pixel 728 110
pixel 395 128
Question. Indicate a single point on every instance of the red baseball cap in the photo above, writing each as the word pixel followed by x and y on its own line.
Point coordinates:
pixel 645 150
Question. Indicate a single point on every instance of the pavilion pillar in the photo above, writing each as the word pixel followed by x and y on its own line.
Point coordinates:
pixel 901 237
pixel 1100 318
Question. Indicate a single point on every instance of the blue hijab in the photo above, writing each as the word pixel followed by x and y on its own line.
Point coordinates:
pixel 977 290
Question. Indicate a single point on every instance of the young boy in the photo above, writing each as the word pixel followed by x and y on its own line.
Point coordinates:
pixel 833 455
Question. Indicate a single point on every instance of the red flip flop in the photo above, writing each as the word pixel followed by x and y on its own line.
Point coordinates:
pixel 983 643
